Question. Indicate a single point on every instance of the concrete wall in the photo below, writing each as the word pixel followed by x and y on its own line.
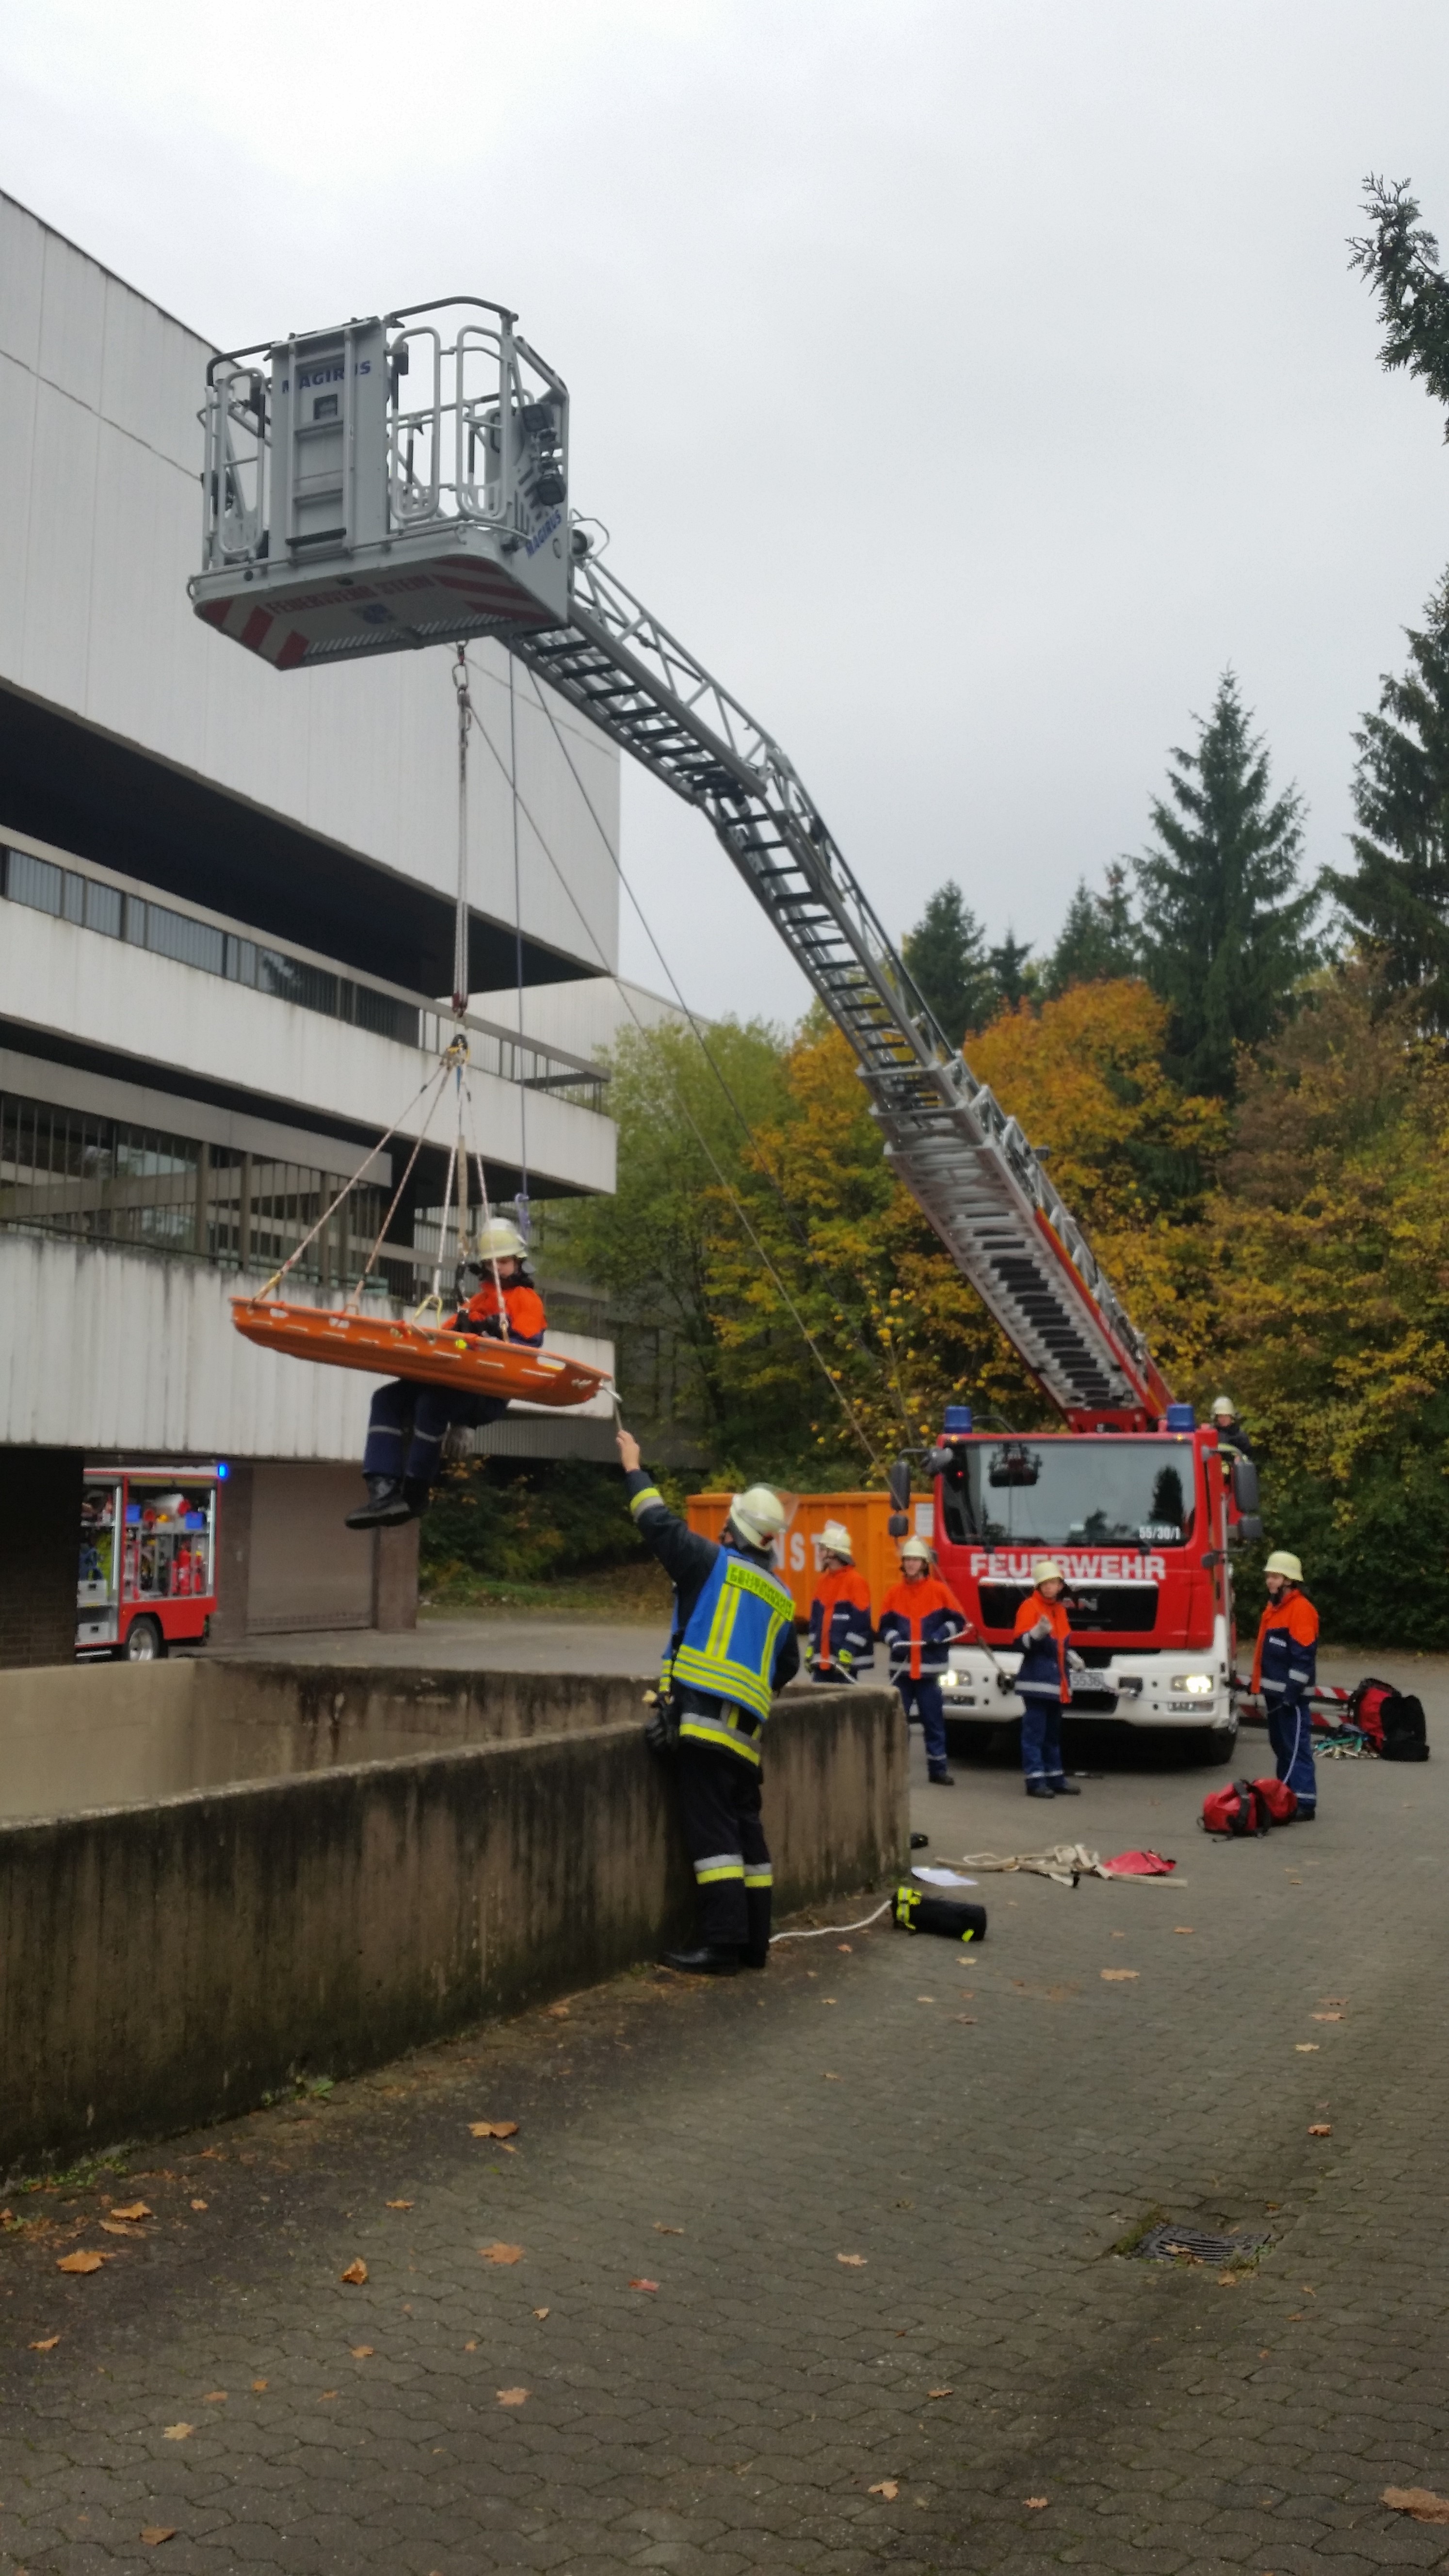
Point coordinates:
pixel 133 1351
pixel 164 1964
pixel 40 1507
pixel 100 450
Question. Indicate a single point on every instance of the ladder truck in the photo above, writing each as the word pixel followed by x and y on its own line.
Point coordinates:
pixel 401 481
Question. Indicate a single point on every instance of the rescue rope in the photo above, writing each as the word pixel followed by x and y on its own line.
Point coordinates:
pixel 435 1080
pixel 819 1931
pixel 735 1202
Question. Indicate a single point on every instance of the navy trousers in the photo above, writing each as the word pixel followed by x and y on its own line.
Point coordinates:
pixel 1290 1732
pixel 1041 1737
pixel 922 1699
pixel 408 1424
pixel 719 1809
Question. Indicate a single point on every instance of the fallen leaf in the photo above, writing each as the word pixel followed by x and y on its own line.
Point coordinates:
pixel 1421 2502
pixel 178 2432
pixel 156 2532
pixel 47 2344
pixel 889 2488
pixel 1334 2016
pixel 1119 1977
pixel 217 2398
pixel 328 2392
pixel 831 2079
pixel 397 2204
pixel 1306 2047
pixel 1183 1927
pixel 199 2204
pixel 940 2392
pixel 512 2396
pixel 1228 2280
pixel 845 1945
pixel 967 2017
pixel 662 2229
pixel 257 2386
pixel 924 1999
pixel 80 2262
pixel 857 2262
pixel 541 2313
pixel 643 2285
pixel 1266 2354
pixel 360 2351
pixel 356 2272
pixel 493 2128
pixel 1321 2129
pixel 498 2253
pixel 1036 2502
pixel 115 2227
pixel 558 2012
pixel 134 2209
pixel 470 2347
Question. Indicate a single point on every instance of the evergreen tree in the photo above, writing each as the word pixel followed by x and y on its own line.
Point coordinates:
pixel 1225 937
pixel 1099 938
pixel 1398 896
pixel 1014 972
pixel 1400 258
pixel 946 956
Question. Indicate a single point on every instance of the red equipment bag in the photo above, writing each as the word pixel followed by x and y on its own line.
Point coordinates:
pixel 1235 1810
pixel 1366 1710
pixel 1279 1802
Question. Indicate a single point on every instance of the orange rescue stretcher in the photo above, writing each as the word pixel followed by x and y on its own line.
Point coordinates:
pixel 431 1353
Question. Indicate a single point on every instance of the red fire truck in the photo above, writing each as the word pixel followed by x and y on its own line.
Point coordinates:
pixel 1140 1524
pixel 147 1559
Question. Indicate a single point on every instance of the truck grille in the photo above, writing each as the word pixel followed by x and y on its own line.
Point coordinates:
pixel 1130 1608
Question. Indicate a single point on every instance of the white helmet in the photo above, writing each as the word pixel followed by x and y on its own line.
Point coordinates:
pixel 915 1547
pixel 1281 1562
pixel 500 1240
pixel 758 1516
pixel 835 1540
pixel 1046 1570
pixel 1224 1409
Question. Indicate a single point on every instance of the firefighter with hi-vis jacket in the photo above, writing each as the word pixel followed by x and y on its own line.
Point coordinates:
pixel 1044 1680
pixel 1285 1668
pixel 732 1646
pixel 842 1640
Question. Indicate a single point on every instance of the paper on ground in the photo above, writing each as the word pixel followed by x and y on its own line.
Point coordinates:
pixel 943 1878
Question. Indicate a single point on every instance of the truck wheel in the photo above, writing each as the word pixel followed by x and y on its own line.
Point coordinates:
pixel 144 1642
pixel 1214 1744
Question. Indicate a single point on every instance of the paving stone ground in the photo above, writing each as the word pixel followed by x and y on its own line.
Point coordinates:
pixel 977 2132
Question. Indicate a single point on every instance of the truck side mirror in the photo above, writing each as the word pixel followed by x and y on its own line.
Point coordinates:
pixel 898 1486
pixel 1245 1487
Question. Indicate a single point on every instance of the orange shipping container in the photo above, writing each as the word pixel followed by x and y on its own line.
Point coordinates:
pixel 797 1553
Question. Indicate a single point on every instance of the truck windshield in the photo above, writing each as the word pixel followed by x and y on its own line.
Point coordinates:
pixel 1073 1493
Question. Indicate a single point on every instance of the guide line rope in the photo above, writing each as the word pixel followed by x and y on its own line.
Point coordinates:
pixel 792 1219
pixel 702 1140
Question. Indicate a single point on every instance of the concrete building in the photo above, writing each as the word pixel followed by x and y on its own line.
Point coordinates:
pixel 225 920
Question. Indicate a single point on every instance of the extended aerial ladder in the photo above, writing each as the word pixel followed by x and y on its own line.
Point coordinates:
pixel 350 511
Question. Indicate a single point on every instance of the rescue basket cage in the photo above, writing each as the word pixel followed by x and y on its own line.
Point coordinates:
pixel 388 483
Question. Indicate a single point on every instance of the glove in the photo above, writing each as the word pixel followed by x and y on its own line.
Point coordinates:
pixel 661 1727
pixel 1074 1661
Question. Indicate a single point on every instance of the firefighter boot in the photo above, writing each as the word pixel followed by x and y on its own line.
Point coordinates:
pixel 709 1960
pixel 415 1495
pixel 385 1507
pixel 756 1952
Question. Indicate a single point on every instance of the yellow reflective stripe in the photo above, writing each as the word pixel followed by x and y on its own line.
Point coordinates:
pixel 721 1626
pixel 644 1499
pixel 707 1877
pixel 759 1878
pixel 705 1732
pixel 723 1680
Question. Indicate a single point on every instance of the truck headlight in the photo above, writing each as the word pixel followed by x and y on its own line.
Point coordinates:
pixel 1197 1685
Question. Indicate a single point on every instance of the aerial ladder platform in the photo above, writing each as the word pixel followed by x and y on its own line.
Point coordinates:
pixel 402 481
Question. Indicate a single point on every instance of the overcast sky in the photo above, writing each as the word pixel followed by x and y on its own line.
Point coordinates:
pixel 968 384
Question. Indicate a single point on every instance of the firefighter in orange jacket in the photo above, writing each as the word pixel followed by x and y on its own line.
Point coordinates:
pixel 842 1640
pixel 1044 1680
pixel 408 1423
pixel 1285 1668
pixel 919 1618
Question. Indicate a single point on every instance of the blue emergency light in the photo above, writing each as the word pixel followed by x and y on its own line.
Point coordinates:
pixel 958 1421
pixel 1180 1417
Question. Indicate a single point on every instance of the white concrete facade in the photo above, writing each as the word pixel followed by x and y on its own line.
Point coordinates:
pixel 100 459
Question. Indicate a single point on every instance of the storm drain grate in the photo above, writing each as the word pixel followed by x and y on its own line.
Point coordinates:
pixel 1169 2244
